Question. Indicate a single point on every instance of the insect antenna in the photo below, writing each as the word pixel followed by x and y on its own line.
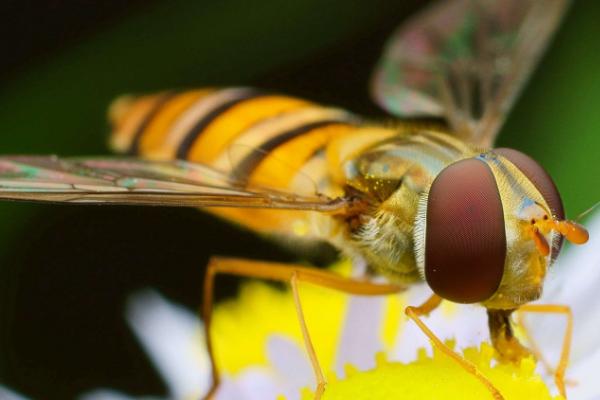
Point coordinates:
pixel 586 212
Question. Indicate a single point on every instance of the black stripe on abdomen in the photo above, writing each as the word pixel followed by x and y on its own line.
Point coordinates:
pixel 188 141
pixel 137 136
pixel 246 166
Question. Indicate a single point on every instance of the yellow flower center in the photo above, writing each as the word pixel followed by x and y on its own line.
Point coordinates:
pixel 242 327
pixel 438 377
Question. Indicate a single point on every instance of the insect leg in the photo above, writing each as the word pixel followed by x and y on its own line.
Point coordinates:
pixel 559 372
pixel 415 313
pixel 206 311
pixel 312 355
pixel 285 273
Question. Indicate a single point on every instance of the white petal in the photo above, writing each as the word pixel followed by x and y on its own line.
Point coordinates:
pixel 586 374
pixel 229 389
pixel 466 324
pixel 360 338
pixel 251 384
pixel 108 394
pixel 7 394
pixel 291 366
pixel 174 340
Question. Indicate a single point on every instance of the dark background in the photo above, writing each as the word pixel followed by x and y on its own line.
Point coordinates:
pixel 66 271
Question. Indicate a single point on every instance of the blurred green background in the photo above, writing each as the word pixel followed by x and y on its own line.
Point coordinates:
pixel 66 271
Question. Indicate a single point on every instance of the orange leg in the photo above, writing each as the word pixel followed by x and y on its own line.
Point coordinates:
pixel 285 273
pixel 423 310
pixel 559 372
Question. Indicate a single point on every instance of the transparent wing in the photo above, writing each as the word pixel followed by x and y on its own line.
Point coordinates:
pixel 140 182
pixel 465 60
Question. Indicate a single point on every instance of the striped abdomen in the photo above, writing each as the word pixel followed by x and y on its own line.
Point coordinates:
pixel 259 137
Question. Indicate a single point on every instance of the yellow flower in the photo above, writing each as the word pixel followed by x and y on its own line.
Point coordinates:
pixel 244 327
pixel 438 377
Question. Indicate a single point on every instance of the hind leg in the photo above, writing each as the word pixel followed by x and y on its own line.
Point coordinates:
pixel 293 274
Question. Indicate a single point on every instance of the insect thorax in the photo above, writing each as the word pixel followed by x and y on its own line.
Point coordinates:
pixel 393 174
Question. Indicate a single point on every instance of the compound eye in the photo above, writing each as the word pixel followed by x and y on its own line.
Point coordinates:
pixel 465 242
pixel 543 183
pixel 539 177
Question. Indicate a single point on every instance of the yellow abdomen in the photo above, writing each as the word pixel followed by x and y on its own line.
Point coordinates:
pixel 260 138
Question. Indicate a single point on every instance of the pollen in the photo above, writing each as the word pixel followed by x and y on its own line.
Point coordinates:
pixel 437 377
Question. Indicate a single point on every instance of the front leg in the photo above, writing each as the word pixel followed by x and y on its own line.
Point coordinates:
pixel 424 309
pixel 561 368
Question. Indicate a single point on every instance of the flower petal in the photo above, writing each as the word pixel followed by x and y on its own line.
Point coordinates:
pixel 585 373
pixel 251 384
pixel 174 340
pixel 361 334
pixel 7 394
pixel 465 324
pixel 109 394
pixel 291 365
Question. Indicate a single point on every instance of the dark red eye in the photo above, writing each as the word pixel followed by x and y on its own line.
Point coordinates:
pixel 465 243
pixel 538 176
pixel 543 182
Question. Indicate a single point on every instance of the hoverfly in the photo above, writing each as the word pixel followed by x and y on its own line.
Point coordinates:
pixel 416 201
